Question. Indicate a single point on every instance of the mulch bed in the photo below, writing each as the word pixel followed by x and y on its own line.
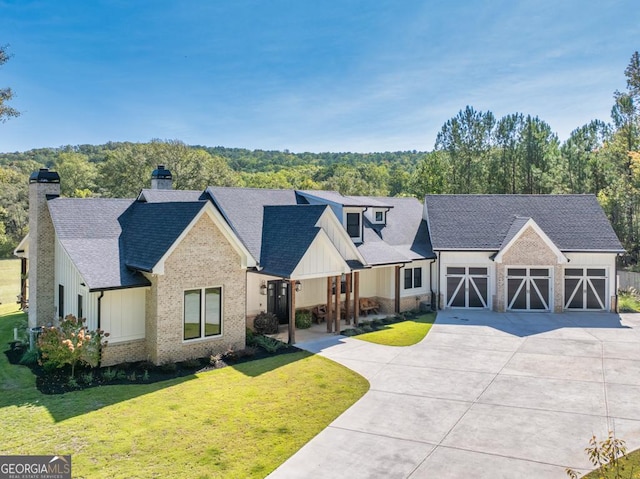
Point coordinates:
pixel 143 372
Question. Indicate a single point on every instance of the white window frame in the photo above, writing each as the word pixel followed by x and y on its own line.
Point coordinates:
pixel 358 211
pixel 202 336
pixel 413 278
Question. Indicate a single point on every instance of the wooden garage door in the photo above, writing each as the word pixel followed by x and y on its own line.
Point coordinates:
pixel 467 287
pixel 585 288
pixel 528 289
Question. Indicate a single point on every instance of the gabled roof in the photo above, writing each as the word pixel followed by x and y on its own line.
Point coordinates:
pixel 150 229
pixel 90 232
pixel 484 222
pixel 243 209
pixel 518 228
pixel 286 236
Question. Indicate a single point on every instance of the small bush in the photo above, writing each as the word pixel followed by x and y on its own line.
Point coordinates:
pixel 303 319
pixel 349 332
pixel 109 374
pixel 30 357
pixel 121 374
pixel 265 323
pixel 145 366
pixel 70 344
pixel 73 384
pixel 387 320
pixel 247 352
pixel 216 360
pixel 366 328
pixel 358 330
pixel 87 377
pixel 249 336
pixel 270 345
pixel 145 375
pixel 133 377
pixel 376 323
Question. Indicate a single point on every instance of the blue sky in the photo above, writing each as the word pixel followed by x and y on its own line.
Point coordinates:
pixel 322 75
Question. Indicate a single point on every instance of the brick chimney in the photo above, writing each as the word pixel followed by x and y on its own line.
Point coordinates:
pixel 161 179
pixel 43 185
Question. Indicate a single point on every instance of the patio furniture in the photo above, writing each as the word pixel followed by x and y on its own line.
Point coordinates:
pixel 319 313
pixel 368 305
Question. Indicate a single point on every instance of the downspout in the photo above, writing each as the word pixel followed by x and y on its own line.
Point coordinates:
pixel 100 308
pixel 439 258
pixel 433 298
pixel 615 280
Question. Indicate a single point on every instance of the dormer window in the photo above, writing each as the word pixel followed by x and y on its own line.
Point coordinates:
pixel 379 217
pixel 353 225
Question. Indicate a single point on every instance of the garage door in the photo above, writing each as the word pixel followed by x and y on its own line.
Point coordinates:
pixel 467 287
pixel 528 289
pixel 585 288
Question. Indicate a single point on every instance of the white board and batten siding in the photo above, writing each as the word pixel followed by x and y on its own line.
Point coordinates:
pixel 320 260
pixel 123 310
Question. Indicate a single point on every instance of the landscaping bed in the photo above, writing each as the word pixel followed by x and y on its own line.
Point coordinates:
pixel 403 329
pixel 59 381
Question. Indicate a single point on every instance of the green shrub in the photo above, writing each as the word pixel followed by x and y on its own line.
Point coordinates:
pixel 30 357
pixel 376 323
pixel 303 319
pixel 366 328
pixel 249 336
pixel 265 323
pixel 190 363
pixel 109 374
pixel 349 332
pixel 270 345
pixel 71 343
pixel 87 377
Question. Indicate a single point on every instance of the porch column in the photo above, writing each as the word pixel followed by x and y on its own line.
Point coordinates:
pixel 397 308
pixel 356 298
pixel 337 327
pixel 23 283
pixel 329 315
pixel 292 311
pixel 347 300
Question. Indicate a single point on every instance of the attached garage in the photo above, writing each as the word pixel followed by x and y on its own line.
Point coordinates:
pixel 523 252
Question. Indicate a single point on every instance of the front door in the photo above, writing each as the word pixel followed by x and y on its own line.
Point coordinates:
pixel 278 300
pixel 528 289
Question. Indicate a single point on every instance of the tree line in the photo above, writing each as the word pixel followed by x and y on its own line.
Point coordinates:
pixel 474 152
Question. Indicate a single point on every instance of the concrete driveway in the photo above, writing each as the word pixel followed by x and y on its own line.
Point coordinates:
pixel 484 395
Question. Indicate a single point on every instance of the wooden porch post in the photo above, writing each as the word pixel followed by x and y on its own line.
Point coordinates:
pixel 347 300
pixel 356 298
pixel 397 289
pixel 329 315
pixel 337 327
pixel 23 283
pixel 292 312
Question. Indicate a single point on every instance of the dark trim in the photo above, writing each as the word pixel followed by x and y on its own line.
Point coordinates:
pixel 114 288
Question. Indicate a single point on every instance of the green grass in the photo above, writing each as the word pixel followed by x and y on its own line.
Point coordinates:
pixel 9 281
pixel 405 333
pixel 631 463
pixel 628 304
pixel 239 421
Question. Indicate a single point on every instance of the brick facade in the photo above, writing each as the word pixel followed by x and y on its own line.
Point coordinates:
pixel 528 250
pixel 128 351
pixel 42 309
pixel 204 258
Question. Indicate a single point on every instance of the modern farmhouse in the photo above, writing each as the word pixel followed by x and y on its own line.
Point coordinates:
pixel 176 274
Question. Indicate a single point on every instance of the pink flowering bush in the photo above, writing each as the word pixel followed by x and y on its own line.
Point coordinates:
pixel 70 343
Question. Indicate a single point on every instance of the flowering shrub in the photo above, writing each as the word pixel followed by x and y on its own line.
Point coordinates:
pixel 70 343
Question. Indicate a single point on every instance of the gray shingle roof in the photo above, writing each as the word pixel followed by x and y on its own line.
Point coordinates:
pixel 151 228
pixel 340 199
pixel 163 196
pixel 243 209
pixel 287 235
pixel 89 230
pixel 405 236
pixel 482 222
pixel 109 239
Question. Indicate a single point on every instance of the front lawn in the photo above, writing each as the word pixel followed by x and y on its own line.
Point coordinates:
pixel 404 333
pixel 240 421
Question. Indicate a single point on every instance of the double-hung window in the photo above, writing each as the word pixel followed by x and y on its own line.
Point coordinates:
pixel 412 278
pixel 202 313
pixel 353 225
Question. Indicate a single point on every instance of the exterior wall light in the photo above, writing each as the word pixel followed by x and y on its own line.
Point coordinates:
pixel 263 288
pixel 298 286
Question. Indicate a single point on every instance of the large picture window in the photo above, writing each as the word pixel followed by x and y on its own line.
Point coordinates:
pixel 202 313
